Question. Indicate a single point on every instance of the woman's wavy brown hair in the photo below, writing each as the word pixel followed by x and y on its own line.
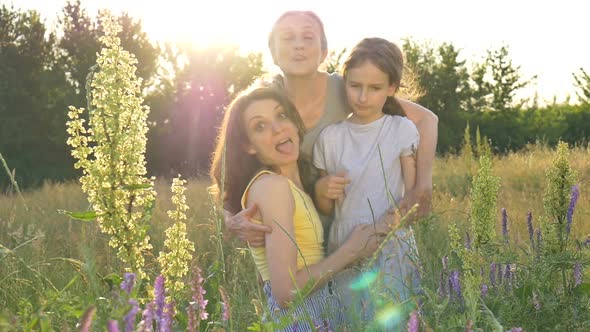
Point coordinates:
pixel 232 173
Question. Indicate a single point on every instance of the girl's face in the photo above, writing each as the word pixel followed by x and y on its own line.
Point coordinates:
pixel 297 48
pixel 367 89
pixel 272 136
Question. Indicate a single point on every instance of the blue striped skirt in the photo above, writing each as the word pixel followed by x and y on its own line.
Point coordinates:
pixel 321 308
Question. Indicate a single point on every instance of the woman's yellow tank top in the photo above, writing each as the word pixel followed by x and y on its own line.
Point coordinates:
pixel 309 233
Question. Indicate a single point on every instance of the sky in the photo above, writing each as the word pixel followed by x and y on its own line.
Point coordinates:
pixel 545 38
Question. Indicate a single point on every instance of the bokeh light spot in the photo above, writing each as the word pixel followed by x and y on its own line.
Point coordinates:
pixel 364 280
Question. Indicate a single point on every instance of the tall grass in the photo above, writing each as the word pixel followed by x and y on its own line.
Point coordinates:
pixel 58 266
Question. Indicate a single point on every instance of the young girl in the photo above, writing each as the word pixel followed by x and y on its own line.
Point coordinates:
pixel 369 160
pixel 261 134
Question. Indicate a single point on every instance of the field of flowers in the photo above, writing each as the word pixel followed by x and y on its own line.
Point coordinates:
pixel 506 247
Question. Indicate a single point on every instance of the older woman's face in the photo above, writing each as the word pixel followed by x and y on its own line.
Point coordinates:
pixel 297 48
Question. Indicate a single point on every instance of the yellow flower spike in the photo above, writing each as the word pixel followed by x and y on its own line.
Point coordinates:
pixel 111 150
pixel 175 262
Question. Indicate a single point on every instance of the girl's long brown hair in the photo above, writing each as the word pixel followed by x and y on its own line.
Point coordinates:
pixel 241 166
pixel 388 57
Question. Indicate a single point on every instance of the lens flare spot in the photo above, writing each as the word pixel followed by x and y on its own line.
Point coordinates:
pixel 389 315
pixel 364 280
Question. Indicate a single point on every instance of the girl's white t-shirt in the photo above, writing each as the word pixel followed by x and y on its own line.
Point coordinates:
pixel 370 154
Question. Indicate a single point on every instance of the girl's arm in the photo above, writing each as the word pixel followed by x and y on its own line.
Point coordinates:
pixel 409 172
pixel 282 252
pixel 329 188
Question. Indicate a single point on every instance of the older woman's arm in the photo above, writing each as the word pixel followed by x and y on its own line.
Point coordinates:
pixel 427 124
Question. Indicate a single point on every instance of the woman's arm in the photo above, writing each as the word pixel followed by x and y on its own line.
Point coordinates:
pixel 282 252
pixel 427 124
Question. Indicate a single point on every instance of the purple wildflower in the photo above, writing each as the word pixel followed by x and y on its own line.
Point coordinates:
pixel 577 274
pixel 167 317
pixel 586 242
pixel 456 283
pixel 147 318
pixel 445 262
pixel 467 241
pixel 413 322
pixel 536 302
pixel 539 238
pixel 192 319
pixel 500 274
pixel 570 210
pixel 130 317
pixel 515 329
pixel 493 274
pixel 159 297
pixel 484 290
pixel 113 326
pixel 505 225
pixel 198 294
pixel 508 276
pixel 225 309
pixel 128 282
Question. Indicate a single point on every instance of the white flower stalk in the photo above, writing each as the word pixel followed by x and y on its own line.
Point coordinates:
pixel 111 150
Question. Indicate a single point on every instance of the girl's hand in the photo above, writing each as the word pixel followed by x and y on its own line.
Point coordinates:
pixel 241 226
pixel 332 186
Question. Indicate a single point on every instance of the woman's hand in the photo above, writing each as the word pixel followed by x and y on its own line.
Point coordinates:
pixel 422 197
pixel 241 226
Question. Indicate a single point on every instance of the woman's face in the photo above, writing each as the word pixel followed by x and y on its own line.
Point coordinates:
pixel 297 46
pixel 272 136
pixel 367 89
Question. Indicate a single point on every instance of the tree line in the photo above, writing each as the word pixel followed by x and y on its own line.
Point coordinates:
pixel 43 71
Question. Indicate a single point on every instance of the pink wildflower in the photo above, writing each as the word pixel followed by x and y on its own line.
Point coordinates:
pixel 198 294
pixel 413 323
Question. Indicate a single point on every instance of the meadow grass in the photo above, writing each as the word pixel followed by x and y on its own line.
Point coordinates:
pixel 54 264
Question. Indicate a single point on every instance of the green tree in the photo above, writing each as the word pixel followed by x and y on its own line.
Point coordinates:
pixel 32 106
pixel 442 78
pixel 443 83
pixel 80 44
pixel 582 82
pixel 333 63
pixel 204 86
pixel 496 81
